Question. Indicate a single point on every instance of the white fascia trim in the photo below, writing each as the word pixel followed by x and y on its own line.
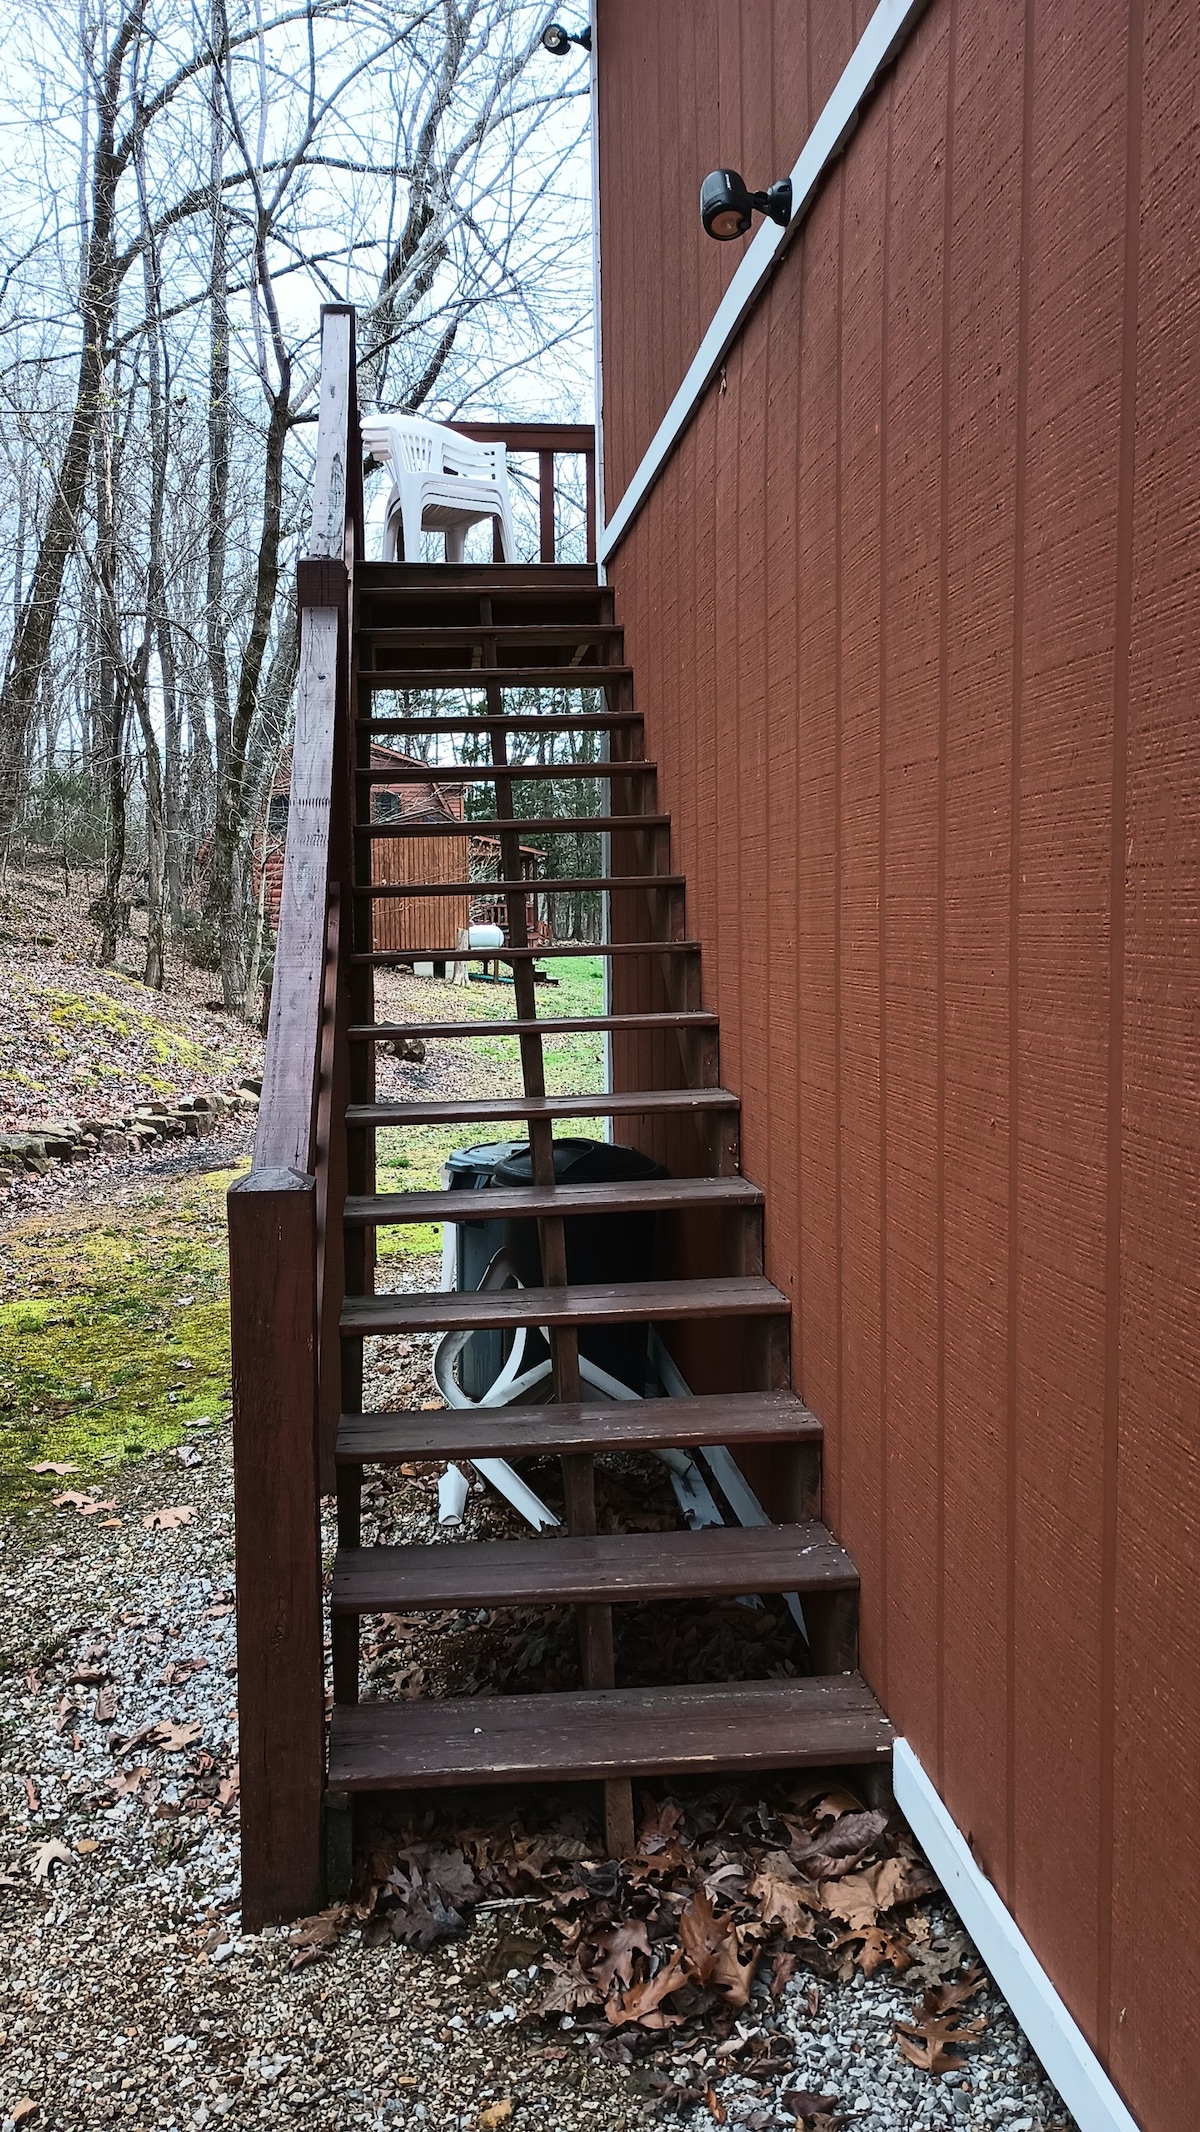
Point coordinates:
pixel 885 32
pixel 1053 2033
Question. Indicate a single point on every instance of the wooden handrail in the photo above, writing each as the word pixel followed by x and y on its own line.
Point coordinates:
pixel 549 440
pixel 285 1216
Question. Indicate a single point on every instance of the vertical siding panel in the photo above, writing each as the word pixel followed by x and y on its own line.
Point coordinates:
pixel 1065 828
pixel 780 1010
pixel 858 947
pixel 984 292
pixel 910 577
pixel 745 857
pixel 1156 1719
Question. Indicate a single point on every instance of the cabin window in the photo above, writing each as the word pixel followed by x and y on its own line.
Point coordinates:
pixel 277 815
pixel 387 806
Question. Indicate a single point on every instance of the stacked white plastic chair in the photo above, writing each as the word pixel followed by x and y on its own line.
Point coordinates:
pixel 441 483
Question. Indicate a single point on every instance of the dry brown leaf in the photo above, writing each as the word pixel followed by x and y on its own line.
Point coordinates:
pixel 857 1898
pixel 570 1988
pixel 786 1903
pixel 804 2106
pixel 496 2113
pixel 174 1738
pixel 46 1857
pixel 166 1519
pixel 643 2002
pixel 617 1948
pixel 86 1845
pixel 49 1465
pixel 106 1707
pixel 934 2041
pixel 702 1934
pixel 22 2111
pixel 716 2109
pixel 86 1505
pixel 324 1929
pixel 877 1946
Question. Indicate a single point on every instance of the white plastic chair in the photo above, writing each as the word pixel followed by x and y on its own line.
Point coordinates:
pixel 441 483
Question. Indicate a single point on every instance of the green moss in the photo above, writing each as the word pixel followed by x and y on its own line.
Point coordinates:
pixel 122 1339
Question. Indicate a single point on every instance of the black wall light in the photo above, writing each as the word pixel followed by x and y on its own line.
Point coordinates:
pixel 559 41
pixel 726 206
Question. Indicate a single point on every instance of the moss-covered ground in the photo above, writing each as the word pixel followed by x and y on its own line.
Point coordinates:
pixel 119 1339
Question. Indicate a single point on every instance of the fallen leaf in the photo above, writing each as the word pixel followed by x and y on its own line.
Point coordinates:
pixel 804 2105
pixel 322 1930
pixel 496 2113
pixel 32 1799
pixel 106 1707
pixel 643 2002
pixel 934 2041
pixel 22 2111
pixel 711 1947
pixel 716 2109
pixel 86 1505
pixel 46 1856
pixel 858 1898
pixel 86 1845
pixel 174 1738
pixel 786 1903
pixel 48 1465
pixel 617 1949
pixel 168 1518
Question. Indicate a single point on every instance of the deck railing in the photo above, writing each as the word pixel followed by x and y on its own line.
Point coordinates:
pixel 286 1243
pixel 285 1216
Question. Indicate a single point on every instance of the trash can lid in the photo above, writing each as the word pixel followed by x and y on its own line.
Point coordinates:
pixel 471 1167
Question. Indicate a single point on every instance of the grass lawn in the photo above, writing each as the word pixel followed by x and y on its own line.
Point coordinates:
pixel 411 1158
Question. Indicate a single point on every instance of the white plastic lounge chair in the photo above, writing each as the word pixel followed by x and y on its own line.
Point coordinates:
pixel 441 483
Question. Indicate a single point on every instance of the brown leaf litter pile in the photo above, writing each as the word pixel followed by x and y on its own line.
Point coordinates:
pixel 691 1942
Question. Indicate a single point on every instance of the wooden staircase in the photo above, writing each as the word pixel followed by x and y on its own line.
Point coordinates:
pixel 303 1224
pixel 491 631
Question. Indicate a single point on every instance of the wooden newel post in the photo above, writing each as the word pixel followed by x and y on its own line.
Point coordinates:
pixel 281 1682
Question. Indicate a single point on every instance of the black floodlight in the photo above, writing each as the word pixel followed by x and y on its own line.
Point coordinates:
pixel 726 205
pixel 559 41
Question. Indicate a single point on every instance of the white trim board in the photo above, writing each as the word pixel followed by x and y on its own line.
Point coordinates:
pixel 880 41
pixel 1053 2034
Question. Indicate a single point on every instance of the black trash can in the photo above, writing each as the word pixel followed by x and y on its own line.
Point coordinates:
pixel 603 1248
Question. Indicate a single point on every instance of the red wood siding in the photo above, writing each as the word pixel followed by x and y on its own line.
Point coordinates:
pixel 914 613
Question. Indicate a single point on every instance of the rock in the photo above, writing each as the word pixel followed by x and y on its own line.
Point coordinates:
pixel 115 1142
pixel 251 1084
pixel 411 1048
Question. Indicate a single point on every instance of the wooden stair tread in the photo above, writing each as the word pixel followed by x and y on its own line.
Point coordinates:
pixel 472 1110
pixel 463 676
pixel 508 722
pixel 523 1202
pixel 600 1569
pixel 565 951
pixel 698 1019
pixel 825 1720
pixel 560 1431
pixel 521 773
pixel 586 1303
pixel 565 886
pixel 491 824
pixel 408 634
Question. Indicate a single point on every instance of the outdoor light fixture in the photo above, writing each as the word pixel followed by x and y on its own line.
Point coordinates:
pixel 559 41
pixel 726 206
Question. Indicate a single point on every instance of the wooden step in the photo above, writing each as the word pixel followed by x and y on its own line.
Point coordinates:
pixel 528 773
pixel 562 1431
pixel 601 1569
pixel 548 580
pixel 697 1021
pixel 532 722
pixel 490 825
pixel 470 677
pixel 526 1202
pixel 583 1306
pixel 824 1721
pixel 484 1110
pixel 605 950
pixel 484 891
pixel 411 635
